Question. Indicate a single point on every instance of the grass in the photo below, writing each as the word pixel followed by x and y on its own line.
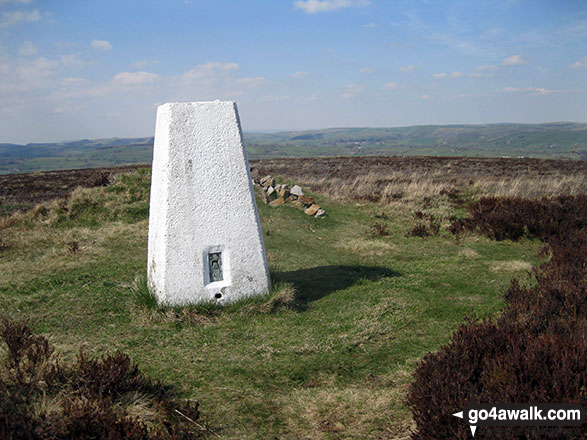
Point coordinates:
pixel 327 354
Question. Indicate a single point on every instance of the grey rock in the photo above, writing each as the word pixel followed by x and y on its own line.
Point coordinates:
pixel 296 191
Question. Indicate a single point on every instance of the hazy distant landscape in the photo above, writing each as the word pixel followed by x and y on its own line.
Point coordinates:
pixel 552 140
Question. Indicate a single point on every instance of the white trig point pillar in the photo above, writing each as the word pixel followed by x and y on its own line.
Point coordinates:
pixel 205 238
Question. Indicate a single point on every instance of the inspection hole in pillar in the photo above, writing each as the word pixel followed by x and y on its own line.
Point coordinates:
pixel 215 266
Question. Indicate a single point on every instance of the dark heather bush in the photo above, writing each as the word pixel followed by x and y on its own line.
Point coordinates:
pixel 511 218
pixel 535 351
pixel 419 230
pixel 43 399
pixel 379 229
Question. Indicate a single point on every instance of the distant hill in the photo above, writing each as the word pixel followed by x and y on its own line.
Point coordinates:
pixel 551 140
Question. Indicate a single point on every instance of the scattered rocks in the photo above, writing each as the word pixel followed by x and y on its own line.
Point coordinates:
pixel 265 197
pixel 313 209
pixel 277 202
pixel 307 200
pixel 267 181
pixel 296 191
pixel 280 194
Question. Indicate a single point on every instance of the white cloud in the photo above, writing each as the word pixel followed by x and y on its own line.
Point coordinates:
pixel 215 80
pixel 270 98
pixel 367 70
pixel 9 18
pixel 370 25
pixel 209 71
pixel 141 64
pixel 16 1
pixel 514 60
pixel 531 91
pixel 581 64
pixel 351 90
pixel 487 68
pixel 425 97
pixel 408 69
pixel 72 82
pixel 313 6
pixel 72 60
pixel 448 75
pixel 390 86
pixel 300 74
pixel 27 49
pixel 27 75
pixel 252 82
pixel 134 78
pixel 101 45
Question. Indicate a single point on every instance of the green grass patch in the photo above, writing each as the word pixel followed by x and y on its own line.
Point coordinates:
pixel 328 353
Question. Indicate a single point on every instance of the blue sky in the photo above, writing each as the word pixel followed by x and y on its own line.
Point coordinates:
pixel 74 69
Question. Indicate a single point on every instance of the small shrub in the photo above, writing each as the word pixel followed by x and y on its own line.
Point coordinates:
pixel 73 247
pixel 455 196
pixel 40 398
pixel 101 179
pixel 512 218
pixel 434 224
pixel 379 229
pixel 419 230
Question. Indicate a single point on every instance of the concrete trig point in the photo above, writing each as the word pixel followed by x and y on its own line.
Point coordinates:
pixel 205 238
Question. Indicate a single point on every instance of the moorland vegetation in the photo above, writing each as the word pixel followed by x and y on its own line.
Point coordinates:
pixel 363 334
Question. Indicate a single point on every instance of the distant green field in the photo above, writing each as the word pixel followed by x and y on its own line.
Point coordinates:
pixel 554 140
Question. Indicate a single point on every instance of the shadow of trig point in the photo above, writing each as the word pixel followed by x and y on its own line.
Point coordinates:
pixel 205 239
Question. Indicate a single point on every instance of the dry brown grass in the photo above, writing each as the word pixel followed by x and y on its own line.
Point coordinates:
pixel 365 246
pixel 509 266
pixel 388 188
pixel 37 249
pixel 410 178
pixel 327 412
pixel 283 297
pixel 469 253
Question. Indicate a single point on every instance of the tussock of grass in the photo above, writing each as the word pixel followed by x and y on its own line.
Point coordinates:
pixel 141 293
pixel 365 246
pixel 324 411
pixel 469 253
pixel 509 266
pixel 281 297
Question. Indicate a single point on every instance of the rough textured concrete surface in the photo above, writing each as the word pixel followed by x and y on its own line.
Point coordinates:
pixel 205 239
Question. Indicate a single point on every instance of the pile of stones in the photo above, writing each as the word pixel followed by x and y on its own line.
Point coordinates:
pixel 279 194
